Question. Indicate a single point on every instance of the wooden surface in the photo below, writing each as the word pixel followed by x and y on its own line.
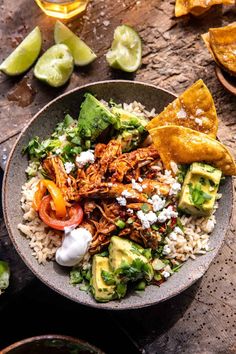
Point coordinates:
pixel 202 319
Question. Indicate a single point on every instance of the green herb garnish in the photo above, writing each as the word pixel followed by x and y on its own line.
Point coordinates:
pixel 121 224
pixel 108 277
pixel 75 276
pixel 145 208
pixel 197 195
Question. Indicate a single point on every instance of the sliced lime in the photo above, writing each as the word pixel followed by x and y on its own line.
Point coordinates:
pixel 126 49
pixel 24 55
pixel 82 54
pixel 55 66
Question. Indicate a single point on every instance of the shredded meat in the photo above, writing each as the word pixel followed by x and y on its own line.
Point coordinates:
pixel 99 186
pixel 125 162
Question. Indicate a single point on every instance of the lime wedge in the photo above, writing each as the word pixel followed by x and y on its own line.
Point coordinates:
pixel 82 54
pixel 24 55
pixel 126 49
pixel 55 66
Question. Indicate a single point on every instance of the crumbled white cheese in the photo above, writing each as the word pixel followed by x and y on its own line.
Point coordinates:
pixel 181 114
pixel 130 211
pixel 166 214
pixel 166 250
pixel 140 179
pixel 178 230
pixel 62 138
pixel 84 158
pixel 58 151
pixel 136 186
pixel 157 202
pixel 198 121
pixel 173 236
pixel 167 173
pixel 175 188
pixel 122 201
pixel 126 194
pixel 146 219
pixel 165 274
pixel 69 167
pixel 199 111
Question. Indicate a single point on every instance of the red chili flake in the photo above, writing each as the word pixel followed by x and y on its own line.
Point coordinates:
pixel 173 222
pixel 122 214
pixel 162 229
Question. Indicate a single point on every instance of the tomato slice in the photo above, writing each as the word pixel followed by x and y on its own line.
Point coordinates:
pixel 73 218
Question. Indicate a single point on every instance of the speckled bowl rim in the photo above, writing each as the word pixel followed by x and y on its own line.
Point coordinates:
pixel 113 305
pixel 43 337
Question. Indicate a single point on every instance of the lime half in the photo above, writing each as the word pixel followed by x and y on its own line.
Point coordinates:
pixel 126 49
pixel 55 66
pixel 24 55
pixel 82 54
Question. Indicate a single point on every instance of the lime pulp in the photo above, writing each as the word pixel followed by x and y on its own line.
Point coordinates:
pixel 55 66
pixel 126 50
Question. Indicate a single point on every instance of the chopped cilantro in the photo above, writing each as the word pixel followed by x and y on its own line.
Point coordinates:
pixel 108 277
pixel 176 268
pixel 197 195
pixel 179 224
pixel 182 170
pixel 121 289
pixel 145 208
pixel 75 276
pixel 136 270
pixel 120 223
pixel 155 227
pixel 104 254
pixel 141 285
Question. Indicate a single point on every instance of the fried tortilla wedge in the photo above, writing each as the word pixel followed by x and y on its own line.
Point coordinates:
pixel 193 109
pixel 221 43
pixel 197 7
pixel 183 145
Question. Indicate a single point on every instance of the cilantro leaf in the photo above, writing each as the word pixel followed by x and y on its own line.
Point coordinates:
pixel 197 195
pixel 108 277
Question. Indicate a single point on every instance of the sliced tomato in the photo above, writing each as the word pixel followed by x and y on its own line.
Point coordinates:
pixel 73 218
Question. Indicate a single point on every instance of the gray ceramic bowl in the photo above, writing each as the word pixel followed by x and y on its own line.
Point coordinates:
pixel 51 344
pixel 55 276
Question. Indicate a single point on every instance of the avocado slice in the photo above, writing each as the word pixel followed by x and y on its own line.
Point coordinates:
pixel 94 118
pixel 128 120
pixel 131 128
pixel 102 292
pixel 128 258
pixel 199 189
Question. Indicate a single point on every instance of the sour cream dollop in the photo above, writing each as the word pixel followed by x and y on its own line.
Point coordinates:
pixel 74 246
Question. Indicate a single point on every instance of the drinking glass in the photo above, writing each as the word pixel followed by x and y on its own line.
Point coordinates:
pixel 63 9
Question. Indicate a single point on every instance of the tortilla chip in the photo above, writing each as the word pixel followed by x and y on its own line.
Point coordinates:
pixel 221 43
pixel 193 109
pixel 183 145
pixel 197 7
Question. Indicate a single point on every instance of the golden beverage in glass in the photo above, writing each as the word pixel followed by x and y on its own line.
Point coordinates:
pixel 63 9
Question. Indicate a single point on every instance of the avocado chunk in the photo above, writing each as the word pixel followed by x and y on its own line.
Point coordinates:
pixel 131 128
pixel 94 118
pixel 101 270
pixel 128 261
pixel 198 193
